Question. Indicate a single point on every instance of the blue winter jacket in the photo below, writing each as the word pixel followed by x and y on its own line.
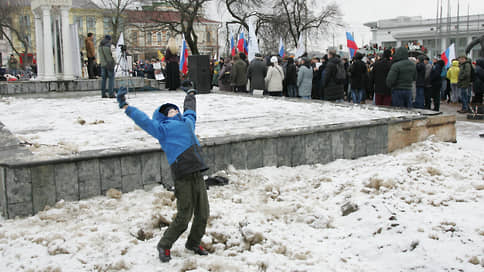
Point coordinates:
pixel 176 136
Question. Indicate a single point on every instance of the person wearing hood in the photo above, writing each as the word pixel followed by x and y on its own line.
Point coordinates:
pixel 453 76
pixel 401 77
pixel 305 79
pixel 383 94
pixel 274 78
pixel 436 81
pixel 358 78
pixel 176 134
pixel 464 83
pixel 420 83
pixel 107 67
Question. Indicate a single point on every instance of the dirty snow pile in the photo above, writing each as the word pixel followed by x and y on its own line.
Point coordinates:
pixel 64 126
pixel 416 209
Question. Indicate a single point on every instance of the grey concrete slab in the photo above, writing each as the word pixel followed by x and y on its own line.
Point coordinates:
pixel 20 209
pixel 284 151
pixel 325 147
pixel 89 178
pixel 208 155
pixel 298 156
pixel 269 151
pixel 311 146
pixel 349 144
pixel 66 182
pixel 18 185
pixel 361 141
pixel 222 156
pixel 3 193
pixel 151 168
pixel 43 187
pixel 110 174
pixel 337 144
pixel 131 178
pixel 239 155
pixel 255 154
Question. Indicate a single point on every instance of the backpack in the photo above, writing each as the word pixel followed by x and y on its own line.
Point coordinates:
pixel 340 72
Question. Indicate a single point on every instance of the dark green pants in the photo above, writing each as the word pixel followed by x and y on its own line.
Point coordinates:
pixel 191 199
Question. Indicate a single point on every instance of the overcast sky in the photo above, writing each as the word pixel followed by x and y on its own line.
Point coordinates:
pixel 357 12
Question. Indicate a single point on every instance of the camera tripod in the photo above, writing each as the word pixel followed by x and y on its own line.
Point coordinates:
pixel 124 69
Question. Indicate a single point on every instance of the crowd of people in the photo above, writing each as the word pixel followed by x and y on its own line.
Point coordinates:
pixel 388 79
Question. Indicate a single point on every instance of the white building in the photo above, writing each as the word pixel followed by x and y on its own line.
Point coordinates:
pixel 434 34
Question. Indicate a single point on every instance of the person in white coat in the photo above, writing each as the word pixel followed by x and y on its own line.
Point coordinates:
pixel 274 78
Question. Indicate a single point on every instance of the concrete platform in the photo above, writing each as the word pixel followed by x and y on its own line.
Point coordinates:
pixel 31 87
pixel 28 185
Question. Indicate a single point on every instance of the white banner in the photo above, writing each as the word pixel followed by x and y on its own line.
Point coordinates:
pixel 253 44
pixel 300 47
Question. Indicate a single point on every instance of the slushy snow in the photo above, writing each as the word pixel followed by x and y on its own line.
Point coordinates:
pixel 419 209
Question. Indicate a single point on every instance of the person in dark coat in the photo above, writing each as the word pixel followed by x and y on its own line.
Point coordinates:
pixel 224 77
pixel 358 77
pixel 436 81
pixel 238 78
pixel 401 77
pixel 333 89
pixel 256 73
pixel 291 78
pixel 172 67
pixel 420 83
pixel 479 82
pixel 383 94
pixel 316 83
pixel 176 134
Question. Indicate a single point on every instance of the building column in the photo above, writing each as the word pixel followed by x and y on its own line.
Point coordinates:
pixel 469 40
pixel 399 43
pixel 48 53
pixel 66 45
pixel 443 45
pixel 39 45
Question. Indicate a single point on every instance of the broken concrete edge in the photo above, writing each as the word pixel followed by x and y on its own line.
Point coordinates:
pixel 107 153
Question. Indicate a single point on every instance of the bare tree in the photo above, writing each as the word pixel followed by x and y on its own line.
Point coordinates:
pixel 114 9
pixel 11 10
pixel 299 16
pixel 189 13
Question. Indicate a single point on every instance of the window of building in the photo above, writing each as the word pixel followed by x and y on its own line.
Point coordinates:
pixel 78 22
pixel 107 25
pixel 91 24
pixel 134 37
pixel 158 37
pixel 208 36
pixel 148 38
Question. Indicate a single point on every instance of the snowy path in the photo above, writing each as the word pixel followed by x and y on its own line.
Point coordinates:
pixel 420 209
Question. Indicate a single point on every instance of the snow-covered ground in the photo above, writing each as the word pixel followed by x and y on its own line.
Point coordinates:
pixel 62 126
pixel 419 209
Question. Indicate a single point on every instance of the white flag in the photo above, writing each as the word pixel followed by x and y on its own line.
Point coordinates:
pixel 122 68
pixel 300 47
pixel 253 45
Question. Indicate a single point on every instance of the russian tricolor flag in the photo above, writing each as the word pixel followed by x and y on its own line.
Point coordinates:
pixel 281 48
pixel 242 44
pixel 184 57
pixel 232 45
pixel 448 55
pixel 350 42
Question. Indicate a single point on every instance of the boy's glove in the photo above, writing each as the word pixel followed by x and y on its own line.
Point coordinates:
pixel 121 97
pixel 191 91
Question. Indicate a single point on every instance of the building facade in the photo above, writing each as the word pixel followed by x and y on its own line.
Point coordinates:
pixel 142 38
pixel 434 35
pixel 146 38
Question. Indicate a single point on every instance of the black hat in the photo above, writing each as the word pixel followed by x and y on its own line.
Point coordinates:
pixel 107 37
pixel 165 108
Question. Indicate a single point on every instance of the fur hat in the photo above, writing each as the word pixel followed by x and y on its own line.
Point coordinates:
pixel 274 59
pixel 165 108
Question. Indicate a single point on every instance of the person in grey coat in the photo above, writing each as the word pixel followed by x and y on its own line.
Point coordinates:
pixel 305 79
pixel 256 73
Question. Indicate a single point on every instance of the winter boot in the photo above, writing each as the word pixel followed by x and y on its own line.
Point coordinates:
pixel 165 255
pixel 197 250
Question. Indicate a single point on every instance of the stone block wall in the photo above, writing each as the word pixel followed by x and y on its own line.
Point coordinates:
pixel 29 87
pixel 27 187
